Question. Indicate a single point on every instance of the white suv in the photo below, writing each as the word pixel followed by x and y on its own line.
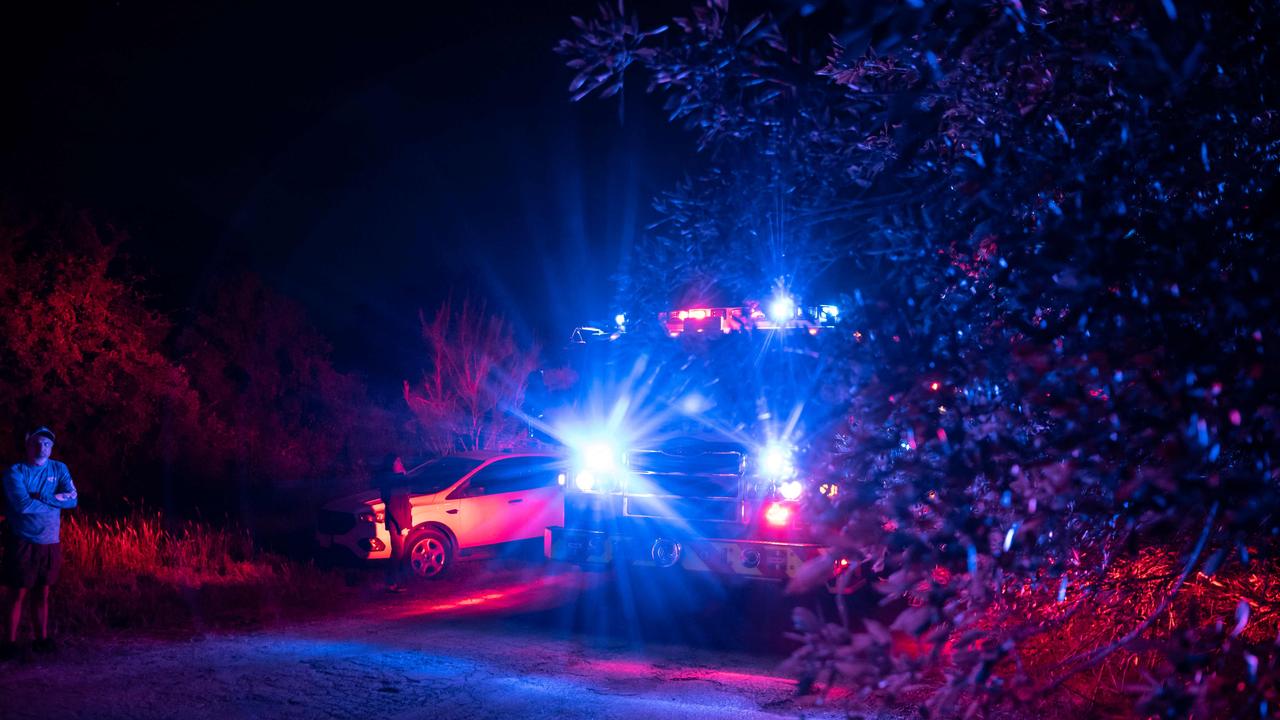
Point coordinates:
pixel 461 504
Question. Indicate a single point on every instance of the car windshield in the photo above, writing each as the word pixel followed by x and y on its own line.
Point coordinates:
pixel 439 474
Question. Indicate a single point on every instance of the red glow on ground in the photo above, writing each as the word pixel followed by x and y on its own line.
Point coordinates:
pixel 517 594
pixel 641 668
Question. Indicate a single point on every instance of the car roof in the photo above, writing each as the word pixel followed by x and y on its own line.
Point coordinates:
pixel 490 454
pixel 483 456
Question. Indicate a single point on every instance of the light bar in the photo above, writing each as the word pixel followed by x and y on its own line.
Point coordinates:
pixel 782 308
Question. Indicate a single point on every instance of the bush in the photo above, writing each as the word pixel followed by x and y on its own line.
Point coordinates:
pixel 1057 459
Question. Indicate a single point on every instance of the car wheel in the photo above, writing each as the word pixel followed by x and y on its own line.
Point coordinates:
pixel 430 554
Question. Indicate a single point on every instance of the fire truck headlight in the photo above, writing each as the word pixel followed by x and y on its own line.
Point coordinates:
pixel 791 490
pixel 782 308
pixel 776 462
pixel 599 457
pixel 598 466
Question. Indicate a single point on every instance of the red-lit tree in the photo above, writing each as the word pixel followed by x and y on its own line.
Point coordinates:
pixel 473 382
pixel 80 350
pixel 265 374
pixel 1061 422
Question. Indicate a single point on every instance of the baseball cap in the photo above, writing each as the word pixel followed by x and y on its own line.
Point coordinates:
pixel 41 431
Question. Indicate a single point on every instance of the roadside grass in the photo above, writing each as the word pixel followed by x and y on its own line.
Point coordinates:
pixel 142 571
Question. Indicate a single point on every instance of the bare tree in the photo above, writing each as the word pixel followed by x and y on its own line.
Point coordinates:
pixel 474 380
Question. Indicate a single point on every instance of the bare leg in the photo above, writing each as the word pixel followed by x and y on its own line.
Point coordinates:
pixel 42 613
pixel 15 613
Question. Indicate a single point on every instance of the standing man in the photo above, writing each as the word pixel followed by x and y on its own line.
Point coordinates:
pixel 397 514
pixel 36 491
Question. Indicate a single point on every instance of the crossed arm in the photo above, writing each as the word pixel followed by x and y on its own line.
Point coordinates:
pixel 64 495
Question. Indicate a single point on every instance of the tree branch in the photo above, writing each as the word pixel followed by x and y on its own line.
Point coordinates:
pixel 1101 654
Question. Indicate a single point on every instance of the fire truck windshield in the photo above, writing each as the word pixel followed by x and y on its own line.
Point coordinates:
pixel 745 387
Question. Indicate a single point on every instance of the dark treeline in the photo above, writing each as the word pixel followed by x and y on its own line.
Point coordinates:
pixel 194 410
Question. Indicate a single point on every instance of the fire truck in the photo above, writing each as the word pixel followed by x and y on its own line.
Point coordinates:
pixel 687 442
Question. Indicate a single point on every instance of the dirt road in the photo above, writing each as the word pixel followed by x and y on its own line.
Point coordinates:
pixel 528 641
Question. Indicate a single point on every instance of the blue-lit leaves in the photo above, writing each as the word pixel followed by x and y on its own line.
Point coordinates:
pixel 1103 346
pixel 1062 131
pixel 934 65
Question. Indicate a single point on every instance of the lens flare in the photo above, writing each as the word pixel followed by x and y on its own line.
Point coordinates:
pixel 777 514
pixel 776 462
pixel 782 308
pixel 599 456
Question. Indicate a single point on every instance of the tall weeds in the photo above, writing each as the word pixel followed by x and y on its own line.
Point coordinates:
pixel 186 554
pixel 142 570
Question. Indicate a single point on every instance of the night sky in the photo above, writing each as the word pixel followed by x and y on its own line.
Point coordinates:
pixel 366 161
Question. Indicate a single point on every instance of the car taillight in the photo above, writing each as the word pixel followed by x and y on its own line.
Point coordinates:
pixel 777 514
pixel 371 517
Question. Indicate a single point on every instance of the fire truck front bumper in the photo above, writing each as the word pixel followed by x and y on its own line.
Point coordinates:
pixel 752 559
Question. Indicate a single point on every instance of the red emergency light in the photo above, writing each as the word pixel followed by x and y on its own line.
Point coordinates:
pixel 696 320
pixel 731 319
pixel 777 514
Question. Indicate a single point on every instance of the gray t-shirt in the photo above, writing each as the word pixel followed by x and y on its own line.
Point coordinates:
pixel 35 515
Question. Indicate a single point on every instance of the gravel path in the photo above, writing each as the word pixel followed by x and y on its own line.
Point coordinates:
pixel 488 646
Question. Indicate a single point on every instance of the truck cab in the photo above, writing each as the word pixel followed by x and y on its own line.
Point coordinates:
pixel 687 443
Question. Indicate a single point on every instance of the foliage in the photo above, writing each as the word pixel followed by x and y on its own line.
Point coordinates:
pixel 777 156
pixel 1057 465
pixel 474 381
pixel 81 351
pixel 248 393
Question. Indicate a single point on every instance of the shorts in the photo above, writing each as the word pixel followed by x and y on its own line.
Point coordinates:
pixel 28 564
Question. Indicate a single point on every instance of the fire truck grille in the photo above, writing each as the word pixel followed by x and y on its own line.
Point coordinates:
pixel 685 509
pixel 706 463
pixel 687 486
